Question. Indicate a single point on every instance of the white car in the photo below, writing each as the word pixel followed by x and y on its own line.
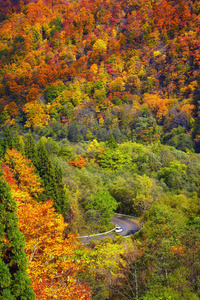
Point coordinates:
pixel 118 229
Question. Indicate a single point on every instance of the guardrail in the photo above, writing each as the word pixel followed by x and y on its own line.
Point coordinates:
pixel 127 216
pixel 103 233
pixel 98 234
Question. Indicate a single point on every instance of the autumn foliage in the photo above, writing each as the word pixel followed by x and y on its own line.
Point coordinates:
pixel 23 173
pixel 53 260
pixel 80 163
pixel 89 61
pixel 77 73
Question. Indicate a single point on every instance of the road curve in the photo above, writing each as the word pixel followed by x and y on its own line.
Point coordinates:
pixel 129 226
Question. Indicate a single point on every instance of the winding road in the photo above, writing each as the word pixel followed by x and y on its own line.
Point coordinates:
pixel 129 226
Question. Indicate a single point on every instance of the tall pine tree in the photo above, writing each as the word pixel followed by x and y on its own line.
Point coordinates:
pixel 1 148
pixel 29 148
pixel 18 144
pixel 111 143
pixel 51 176
pixel 8 143
pixel 46 171
pixel 62 203
pixel 14 282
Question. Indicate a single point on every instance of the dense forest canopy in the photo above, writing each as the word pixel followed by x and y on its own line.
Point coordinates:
pixel 99 113
pixel 85 69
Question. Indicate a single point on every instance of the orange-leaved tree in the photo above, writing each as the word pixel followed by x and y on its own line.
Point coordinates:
pixel 53 260
pixel 80 163
pixel 157 105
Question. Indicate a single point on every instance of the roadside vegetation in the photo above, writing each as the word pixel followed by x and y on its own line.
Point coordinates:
pixel 89 182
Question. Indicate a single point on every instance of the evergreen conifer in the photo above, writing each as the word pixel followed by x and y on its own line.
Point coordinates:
pixel 14 282
pixel 111 142
pixel 8 143
pixel 1 148
pixel 46 171
pixel 51 176
pixel 61 203
pixel 29 148
pixel 17 143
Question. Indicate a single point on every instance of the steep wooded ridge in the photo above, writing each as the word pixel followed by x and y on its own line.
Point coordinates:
pixel 99 113
pixel 84 69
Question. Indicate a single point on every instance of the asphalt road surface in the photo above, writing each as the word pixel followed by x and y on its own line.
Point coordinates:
pixel 129 226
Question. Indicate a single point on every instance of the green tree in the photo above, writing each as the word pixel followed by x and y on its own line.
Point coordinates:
pixel 62 200
pixel 111 142
pixel 14 282
pixel 1 148
pixel 46 172
pixel 179 138
pixel 18 144
pixel 144 198
pixel 73 134
pixel 29 147
pixel 104 205
pixel 52 92
pixel 8 143
pixel 174 174
pixel 122 189
pixel 170 254
pixel 52 180
pixel 115 159
pixel 52 146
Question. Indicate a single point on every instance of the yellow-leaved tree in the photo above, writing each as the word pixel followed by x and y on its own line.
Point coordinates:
pixel 23 173
pixel 35 115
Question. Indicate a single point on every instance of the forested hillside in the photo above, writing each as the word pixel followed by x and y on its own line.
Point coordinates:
pixel 84 69
pixel 99 113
